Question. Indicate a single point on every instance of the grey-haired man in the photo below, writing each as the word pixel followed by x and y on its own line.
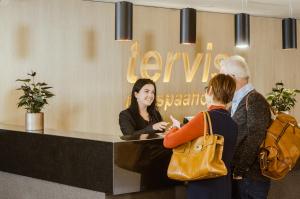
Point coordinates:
pixel 253 120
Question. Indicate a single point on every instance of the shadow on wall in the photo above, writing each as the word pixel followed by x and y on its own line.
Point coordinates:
pixel 68 116
pixel 91 49
pixel 22 41
pixel 148 42
pixel 198 46
pixel 64 120
pixel 10 108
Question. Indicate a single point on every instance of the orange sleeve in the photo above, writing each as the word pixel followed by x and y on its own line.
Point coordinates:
pixel 188 132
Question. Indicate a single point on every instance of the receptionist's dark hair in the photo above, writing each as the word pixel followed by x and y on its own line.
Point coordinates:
pixel 134 107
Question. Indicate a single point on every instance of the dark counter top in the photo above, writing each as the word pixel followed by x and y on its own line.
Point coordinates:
pixel 98 162
pixel 71 134
pixel 76 134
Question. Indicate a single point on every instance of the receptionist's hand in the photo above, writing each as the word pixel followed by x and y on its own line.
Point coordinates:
pixel 176 123
pixel 160 126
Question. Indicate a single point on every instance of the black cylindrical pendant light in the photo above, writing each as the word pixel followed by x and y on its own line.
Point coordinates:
pixel 242 30
pixel 289 33
pixel 188 25
pixel 123 20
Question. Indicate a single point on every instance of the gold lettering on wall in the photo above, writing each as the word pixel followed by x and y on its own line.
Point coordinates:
pixel 207 62
pixel 186 100
pixel 146 66
pixel 171 58
pixel 152 61
pixel 178 100
pixel 131 77
pixel 190 72
pixel 167 101
pixel 159 101
pixel 218 59
pixel 202 99
pixel 195 98
pixel 217 62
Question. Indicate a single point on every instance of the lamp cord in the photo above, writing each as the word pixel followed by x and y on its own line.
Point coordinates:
pixel 244 4
pixel 290 8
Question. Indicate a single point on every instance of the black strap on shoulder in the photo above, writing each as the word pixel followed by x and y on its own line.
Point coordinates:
pixel 251 92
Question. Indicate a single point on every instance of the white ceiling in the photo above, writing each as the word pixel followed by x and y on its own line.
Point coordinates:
pixel 269 8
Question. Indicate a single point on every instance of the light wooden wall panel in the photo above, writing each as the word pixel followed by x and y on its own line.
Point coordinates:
pixel 71 45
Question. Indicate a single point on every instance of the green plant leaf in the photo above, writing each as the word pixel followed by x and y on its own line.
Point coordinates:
pixel 41 84
pixel 23 80
pixel 49 95
pixel 34 94
pixel 46 87
pixel 281 98
pixel 279 84
pixel 32 74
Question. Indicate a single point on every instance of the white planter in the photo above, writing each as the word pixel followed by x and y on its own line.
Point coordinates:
pixel 34 121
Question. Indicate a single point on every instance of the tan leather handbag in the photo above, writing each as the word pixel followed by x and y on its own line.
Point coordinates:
pixel 200 158
pixel 280 150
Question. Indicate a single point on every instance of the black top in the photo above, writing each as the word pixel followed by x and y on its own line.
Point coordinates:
pixel 134 124
pixel 218 188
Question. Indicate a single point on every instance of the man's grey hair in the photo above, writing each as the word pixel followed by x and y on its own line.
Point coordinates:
pixel 236 66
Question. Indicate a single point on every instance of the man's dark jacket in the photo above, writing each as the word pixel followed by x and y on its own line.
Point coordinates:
pixel 252 126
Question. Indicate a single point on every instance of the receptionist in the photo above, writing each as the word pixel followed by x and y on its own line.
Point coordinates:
pixel 142 116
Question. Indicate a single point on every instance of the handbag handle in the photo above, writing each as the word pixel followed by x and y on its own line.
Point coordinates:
pixel 205 125
pixel 210 124
pixel 272 110
pixel 206 118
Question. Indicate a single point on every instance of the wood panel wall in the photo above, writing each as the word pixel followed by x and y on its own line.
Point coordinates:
pixel 70 44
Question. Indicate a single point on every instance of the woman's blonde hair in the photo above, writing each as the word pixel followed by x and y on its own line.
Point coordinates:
pixel 223 88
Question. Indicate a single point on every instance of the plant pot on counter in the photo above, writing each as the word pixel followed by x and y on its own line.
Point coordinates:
pixel 34 122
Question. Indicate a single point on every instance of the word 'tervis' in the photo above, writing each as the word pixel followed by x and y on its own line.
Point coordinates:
pixel 155 57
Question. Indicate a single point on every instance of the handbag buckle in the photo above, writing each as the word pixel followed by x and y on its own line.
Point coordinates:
pixel 199 147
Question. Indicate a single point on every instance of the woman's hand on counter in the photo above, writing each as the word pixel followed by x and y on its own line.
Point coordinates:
pixel 160 126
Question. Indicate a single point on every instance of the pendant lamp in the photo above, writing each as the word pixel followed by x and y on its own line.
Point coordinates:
pixel 242 30
pixel 123 20
pixel 289 33
pixel 188 25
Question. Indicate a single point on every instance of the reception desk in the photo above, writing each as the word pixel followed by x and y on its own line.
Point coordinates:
pixel 69 165
pixel 100 163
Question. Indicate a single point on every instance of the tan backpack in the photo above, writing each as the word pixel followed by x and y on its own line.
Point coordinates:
pixel 280 150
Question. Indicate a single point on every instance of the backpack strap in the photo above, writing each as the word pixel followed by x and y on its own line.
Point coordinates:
pixel 273 112
pixel 251 92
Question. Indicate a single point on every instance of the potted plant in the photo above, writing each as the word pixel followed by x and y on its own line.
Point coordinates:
pixel 34 98
pixel 282 99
